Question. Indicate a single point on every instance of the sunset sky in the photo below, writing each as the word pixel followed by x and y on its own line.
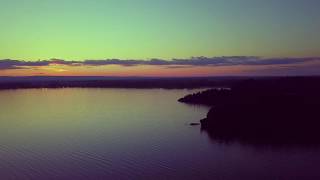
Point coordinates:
pixel 159 37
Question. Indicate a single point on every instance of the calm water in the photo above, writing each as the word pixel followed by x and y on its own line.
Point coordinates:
pixel 128 134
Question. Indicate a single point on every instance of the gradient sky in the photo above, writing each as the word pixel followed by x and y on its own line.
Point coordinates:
pixel 166 29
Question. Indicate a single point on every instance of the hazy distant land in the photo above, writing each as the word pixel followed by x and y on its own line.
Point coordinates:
pixel 115 82
pixel 128 82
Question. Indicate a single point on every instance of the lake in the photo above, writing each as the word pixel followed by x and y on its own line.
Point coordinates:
pixel 129 134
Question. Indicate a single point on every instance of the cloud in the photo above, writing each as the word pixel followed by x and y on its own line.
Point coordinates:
pixel 202 61
pixel 17 64
pixel 6 64
pixel 174 63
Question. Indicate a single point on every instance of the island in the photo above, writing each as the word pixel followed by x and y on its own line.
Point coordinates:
pixel 280 110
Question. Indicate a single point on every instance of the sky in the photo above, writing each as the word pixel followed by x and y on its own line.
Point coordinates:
pixel 141 30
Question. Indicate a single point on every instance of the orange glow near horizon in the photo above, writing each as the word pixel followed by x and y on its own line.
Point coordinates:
pixel 56 69
pixel 118 70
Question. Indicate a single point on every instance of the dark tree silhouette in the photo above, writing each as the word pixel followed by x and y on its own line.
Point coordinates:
pixel 277 110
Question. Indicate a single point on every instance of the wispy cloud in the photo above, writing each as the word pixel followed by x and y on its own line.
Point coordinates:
pixel 7 64
pixel 18 64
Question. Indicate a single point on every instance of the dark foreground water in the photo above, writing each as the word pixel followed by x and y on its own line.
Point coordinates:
pixel 97 134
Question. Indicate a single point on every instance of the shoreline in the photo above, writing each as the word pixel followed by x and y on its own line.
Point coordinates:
pixel 263 111
pixel 131 82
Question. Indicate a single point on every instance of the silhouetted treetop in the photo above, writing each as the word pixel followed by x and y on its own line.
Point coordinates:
pixel 282 110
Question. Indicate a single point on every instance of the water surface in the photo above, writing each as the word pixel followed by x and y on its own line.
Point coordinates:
pixel 128 134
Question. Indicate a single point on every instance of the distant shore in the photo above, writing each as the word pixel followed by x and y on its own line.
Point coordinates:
pixel 118 82
pixel 129 82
